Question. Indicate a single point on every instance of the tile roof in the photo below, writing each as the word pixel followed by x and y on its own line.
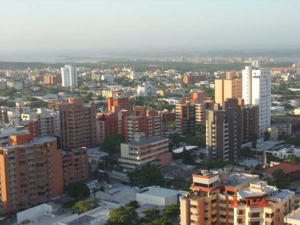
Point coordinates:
pixel 286 167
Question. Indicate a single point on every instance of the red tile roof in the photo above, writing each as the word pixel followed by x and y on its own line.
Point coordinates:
pixel 286 167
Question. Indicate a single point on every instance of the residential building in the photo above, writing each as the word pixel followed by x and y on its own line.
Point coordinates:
pixel 75 165
pixel 193 79
pixel 257 91
pixel 224 131
pixel 107 77
pixel 145 151
pixel 13 117
pixel 231 87
pixel 3 114
pixel 120 100
pixel 283 151
pixel 134 76
pixel 220 197
pixel 53 79
pixel 143 120
pixel 293 218
pixel 108 123
pixel 250 122
pixel 167 116
pixel 292 171
pixel 190 112
pixel 48 121
pixel 31 171
pixel 15 85
pixel 285 119
pixel 146 90
pixel 77 124
pixel 69 76
pixel 2 85
pixel 279 129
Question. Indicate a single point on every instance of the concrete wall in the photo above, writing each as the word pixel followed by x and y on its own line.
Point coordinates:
pixel 156 200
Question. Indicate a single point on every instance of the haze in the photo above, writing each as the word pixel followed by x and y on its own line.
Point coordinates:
pixel 72 26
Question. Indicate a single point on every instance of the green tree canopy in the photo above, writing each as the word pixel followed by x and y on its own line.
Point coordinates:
pixel 254 142
pixel 293 159
pixel 78 188
pixel 123 216
pixel 172 211
pixel 266 135
pixel 247 152
pixel 85 206
pixel 280 179
pixel 187 158
pixel 113 142
pixel 150 215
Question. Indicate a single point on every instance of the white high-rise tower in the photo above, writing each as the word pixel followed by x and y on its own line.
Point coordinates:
pixel 69 76
pixel 257 91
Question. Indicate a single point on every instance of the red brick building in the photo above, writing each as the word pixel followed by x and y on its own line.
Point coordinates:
pixel 120 100
pixel 53 79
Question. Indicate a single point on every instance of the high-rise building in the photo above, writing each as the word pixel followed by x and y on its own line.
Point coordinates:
pixel 222 198
pixel 143 120
pixel 69 76
pixel 118 99
pixel 31 171
pixel 190 112
pixel 53 79
pixel 48 121
pixel 231 87
pixel 75 165
pixel 77 124
pixel 224 130
pixel 257 91
pixel 250 122
pixel 142 152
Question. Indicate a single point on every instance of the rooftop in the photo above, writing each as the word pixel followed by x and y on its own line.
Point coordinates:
pixel 295 216
pixel 286 167
pixel 147 140
pixel 189 147
pixel 161 192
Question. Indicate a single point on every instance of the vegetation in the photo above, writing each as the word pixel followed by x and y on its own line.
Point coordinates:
pixel 254 142
pixel 85 206
pixel 134 204
pixel 7 102
pixel 159 221
pixel 113 142
pixel 146 177
pixel 123 216
pixel 186 157
pixel 247 152
pixel 266 136
pixel 78 188
pixel 293 159
pixel 172 211
pixel 290 140
pixel 279 179
pixel 150 215
pixel 273 158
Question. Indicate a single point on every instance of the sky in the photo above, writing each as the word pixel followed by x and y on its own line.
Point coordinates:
pixel 64 26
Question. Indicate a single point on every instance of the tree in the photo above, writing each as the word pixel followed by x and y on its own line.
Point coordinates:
pixel 78 188
pixel 123 216
pixel 85 206
pixel 175 138
pixel 280 179
pixel 266 135
pixel 172 211
pixel 173 125
pixel 112 143
pixel 254 142
pixel 150 215
pixel 273 158
pixel 201 129
pixel 258 166
pixel 247 152
pixel 293 159
pixel 134 204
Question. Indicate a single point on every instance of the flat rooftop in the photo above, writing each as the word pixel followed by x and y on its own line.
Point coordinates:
pixel 161 192
pixel 295 216
pixel 147 140
pixel 237 179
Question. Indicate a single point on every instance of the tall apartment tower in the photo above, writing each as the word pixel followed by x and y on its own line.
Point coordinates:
pixel 69 76
pixel 250 122
pixel 257 91
pixel 190 112
pixel 77 124
pixel 224 131
pixel 231 87
pixel 31 171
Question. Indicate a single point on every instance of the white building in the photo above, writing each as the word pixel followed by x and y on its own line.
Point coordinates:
pixel 15 85
pixel 108 78
pixel 13 117
pixel 69 76
pixel 48 121
pixel 134 76
pixel 146 90
pixel 257 91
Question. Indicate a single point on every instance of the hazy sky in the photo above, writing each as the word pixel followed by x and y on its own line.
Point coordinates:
pixel 51 25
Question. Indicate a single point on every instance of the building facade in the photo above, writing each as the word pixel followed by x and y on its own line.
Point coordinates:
pixel 231 87
pixel 77 124
pixel 250 122
pixel 143 152
pixel 257 91
pixel 214 194
pixel 120 100
pixel 69 76
pixel 279 129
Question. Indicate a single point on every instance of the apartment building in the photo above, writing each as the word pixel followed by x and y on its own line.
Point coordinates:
pixel 190 112
pixel 48 121
pixel 143 120
pixel 257 91
pixel 77 124
pixel 120 100
pixel 108 123
pixel 224 131
pixel 145 151
pixel 213 195
pixel 167 116
pixel 193 79
pixel 250 122
pixel 278 129
pixel 31 171
pixel 293 218
pixel 53 79
pixel 231 87
pixel 69 76
pixel 75 165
